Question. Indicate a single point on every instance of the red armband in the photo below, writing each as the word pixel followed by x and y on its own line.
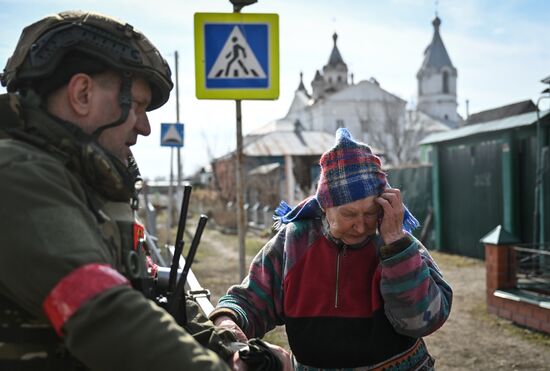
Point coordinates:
pixel 76 289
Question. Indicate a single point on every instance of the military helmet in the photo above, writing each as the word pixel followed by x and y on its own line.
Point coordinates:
pixel 43 45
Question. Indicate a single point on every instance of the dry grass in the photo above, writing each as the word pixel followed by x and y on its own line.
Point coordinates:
pixel 479 312
pixel 454 261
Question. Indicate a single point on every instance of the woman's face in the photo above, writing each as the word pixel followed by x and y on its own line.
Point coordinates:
pixel 354 222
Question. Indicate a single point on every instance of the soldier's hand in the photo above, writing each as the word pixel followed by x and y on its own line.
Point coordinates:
pixel 227 323
pixel 283 355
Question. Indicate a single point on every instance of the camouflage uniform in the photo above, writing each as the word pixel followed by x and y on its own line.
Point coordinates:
pixel 71 255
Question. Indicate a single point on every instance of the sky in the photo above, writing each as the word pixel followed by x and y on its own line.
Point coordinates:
pixel 501 50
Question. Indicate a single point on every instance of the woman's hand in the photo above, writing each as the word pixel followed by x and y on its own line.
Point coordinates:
pixel 391 223
pixel 227 323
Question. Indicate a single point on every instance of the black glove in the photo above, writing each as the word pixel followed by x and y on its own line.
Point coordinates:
pixel 258 356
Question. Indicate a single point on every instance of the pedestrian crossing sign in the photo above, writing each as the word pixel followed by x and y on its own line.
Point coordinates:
pixel 236 56
pixel 171 135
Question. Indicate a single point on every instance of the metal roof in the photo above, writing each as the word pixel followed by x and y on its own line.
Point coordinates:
pixel 264 169
pixel 435 55
pixel 497 113
pixel 335 57
pixel 295 143
pixel 524 119
pixel 302 87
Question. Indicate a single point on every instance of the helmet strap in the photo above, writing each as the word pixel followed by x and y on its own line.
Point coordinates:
pixel 125 102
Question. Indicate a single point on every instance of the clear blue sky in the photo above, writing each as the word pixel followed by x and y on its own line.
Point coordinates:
pixel 500 48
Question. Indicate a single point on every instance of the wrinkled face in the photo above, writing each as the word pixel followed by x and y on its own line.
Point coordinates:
pixel 354 222
pixel 119 139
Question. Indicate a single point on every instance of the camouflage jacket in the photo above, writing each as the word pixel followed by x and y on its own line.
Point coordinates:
pixel 66 295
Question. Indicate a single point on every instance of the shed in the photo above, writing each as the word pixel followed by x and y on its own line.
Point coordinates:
pixel 484 175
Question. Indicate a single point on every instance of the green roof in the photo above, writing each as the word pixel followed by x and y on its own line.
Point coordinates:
pixel 511 122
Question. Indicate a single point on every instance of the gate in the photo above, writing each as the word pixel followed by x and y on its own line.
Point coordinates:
pixel 471 195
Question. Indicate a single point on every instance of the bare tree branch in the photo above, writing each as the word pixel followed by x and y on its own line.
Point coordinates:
pixel 392 129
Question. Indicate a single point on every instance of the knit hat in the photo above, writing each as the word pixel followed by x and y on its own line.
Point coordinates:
pixel 349 172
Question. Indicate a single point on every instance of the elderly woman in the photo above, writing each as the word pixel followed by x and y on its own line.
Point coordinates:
pixel 354 288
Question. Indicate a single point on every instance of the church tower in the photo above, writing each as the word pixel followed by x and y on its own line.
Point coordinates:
pixel 335 74
pixel 335 71
pixel 437 82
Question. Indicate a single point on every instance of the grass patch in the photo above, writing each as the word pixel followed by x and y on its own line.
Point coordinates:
pixel 254 244
pixel 450 260
pixel 479 311
pixel 277 337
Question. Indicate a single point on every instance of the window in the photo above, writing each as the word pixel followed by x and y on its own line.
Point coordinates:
pixel 445 82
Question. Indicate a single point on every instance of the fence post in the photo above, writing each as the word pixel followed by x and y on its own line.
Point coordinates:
pixel 255 217
pixel 246 210
pixel 268 216
pixel 500 263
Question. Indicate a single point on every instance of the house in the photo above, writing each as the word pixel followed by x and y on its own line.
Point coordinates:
pixel 280 164
pixel 485 174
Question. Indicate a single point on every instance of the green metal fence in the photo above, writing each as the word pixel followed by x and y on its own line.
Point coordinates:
pixel 415 183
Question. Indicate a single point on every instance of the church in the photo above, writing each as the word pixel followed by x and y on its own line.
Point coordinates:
pixel 373 114
pixel 281 157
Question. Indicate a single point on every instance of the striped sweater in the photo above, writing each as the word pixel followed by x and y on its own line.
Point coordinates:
pixel 343 306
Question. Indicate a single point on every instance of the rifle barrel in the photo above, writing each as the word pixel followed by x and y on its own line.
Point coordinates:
pixel 178 244
pixel 179 294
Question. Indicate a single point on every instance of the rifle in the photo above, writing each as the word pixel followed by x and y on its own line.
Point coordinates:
pixel 176 302
pixel 176 293
pixel 178 244
pixel 256 354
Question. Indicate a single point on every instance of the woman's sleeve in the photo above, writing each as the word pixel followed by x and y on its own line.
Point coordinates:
pixel 257 303
pixel 417 300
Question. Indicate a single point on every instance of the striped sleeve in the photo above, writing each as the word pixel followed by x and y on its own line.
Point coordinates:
pixel 417 300
pixel 258 301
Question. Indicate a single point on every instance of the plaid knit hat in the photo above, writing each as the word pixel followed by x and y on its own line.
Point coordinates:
pixel 349 172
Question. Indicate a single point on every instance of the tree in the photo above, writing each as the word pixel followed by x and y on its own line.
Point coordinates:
pixel 390 128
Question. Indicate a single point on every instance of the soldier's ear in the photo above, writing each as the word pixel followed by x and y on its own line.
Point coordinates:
pixel 79 93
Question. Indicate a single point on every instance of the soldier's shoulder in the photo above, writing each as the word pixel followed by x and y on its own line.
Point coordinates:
pixel 14 151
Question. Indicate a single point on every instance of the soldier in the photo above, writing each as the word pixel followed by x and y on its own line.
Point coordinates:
pixel 79 89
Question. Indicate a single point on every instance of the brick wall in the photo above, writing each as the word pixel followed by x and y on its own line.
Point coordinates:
pixel 501 275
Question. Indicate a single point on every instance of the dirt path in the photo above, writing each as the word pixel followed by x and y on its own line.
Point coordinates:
pixel 470 340
pixel 473 340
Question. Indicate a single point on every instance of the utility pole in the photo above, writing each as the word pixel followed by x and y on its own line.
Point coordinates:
pixel 170 198
pixel 169 220
pixel 180 165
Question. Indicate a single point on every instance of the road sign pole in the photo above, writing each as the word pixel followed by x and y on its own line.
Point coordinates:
pixel 237 58
pixel 179 191
pixel 241 217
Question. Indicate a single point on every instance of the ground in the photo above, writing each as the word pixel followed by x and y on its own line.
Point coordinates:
pixel 470 339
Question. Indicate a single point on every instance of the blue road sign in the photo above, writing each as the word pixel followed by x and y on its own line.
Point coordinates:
pixel 236 56
pixel 171 135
